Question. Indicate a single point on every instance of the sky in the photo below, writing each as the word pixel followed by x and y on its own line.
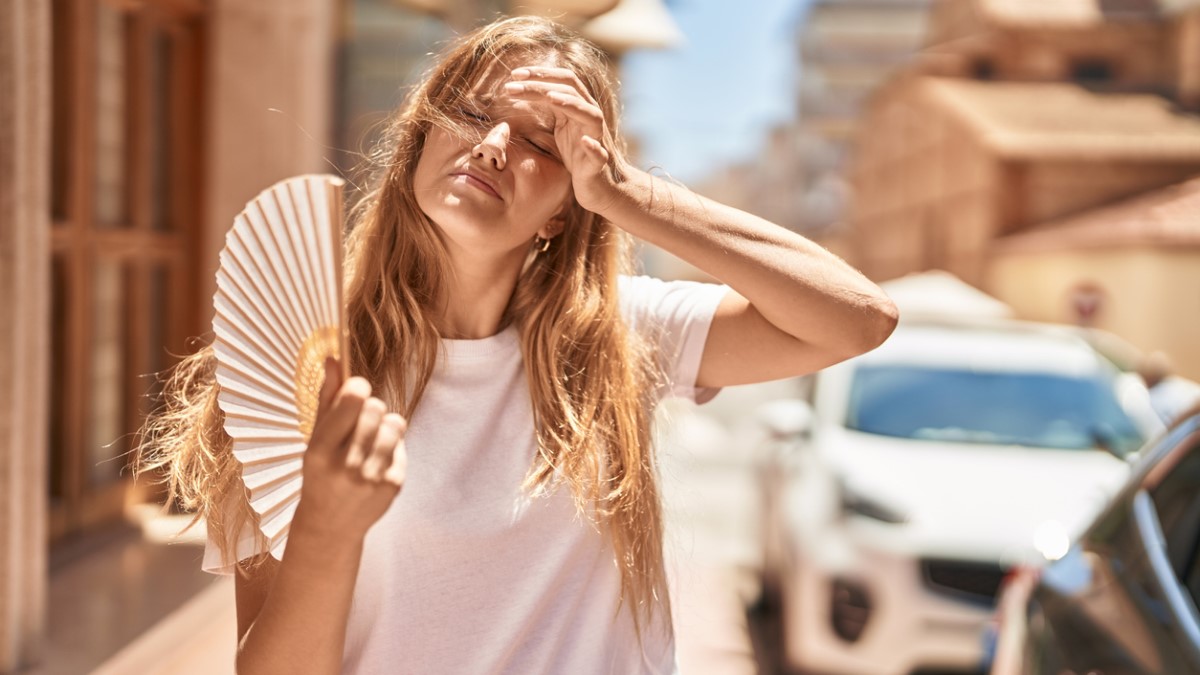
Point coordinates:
pixel 712 102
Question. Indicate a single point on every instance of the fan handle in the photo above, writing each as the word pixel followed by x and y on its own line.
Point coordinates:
pixel 334 187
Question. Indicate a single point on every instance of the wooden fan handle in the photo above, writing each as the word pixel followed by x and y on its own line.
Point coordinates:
pixel 336 220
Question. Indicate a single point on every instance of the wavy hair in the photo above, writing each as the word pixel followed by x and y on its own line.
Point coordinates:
pixel 591 379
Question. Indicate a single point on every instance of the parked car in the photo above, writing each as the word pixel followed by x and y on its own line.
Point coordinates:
pixel 1123 599
pixel 919 474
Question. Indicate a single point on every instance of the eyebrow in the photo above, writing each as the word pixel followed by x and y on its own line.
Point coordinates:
pixel 486 101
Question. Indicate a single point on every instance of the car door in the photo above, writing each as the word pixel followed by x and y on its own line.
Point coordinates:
pixel 1124 601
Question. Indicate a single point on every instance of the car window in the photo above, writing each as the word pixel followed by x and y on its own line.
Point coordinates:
pixel 1009 408
pixel 1177 501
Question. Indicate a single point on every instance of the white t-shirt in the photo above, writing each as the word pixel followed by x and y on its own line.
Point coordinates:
pixel 466 574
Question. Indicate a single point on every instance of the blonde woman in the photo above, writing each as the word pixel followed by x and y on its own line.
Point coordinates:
pixel 480 497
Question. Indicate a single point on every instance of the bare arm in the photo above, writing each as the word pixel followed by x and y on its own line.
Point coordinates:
pixel 797 307
pixel 292 614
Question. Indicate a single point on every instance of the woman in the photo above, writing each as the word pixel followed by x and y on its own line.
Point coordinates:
pixel 507 379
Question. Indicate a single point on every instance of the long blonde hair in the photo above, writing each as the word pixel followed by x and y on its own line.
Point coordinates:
pixel 591 380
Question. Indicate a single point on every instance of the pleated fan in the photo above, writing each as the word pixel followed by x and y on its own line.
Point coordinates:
pixel 278 314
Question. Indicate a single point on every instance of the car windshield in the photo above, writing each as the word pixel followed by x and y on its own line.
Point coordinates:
pixel 998 408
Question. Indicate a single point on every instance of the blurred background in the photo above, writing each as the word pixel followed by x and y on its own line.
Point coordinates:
pixel 1019 172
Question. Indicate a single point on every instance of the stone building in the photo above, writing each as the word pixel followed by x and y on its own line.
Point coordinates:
pixel 948 165
pixel 1023 116
pixel 1132 267
pixel 1109 45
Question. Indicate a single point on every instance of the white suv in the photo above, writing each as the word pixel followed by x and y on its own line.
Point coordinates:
pixel 917 474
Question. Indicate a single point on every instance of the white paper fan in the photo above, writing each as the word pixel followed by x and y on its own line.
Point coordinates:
pixel 278 315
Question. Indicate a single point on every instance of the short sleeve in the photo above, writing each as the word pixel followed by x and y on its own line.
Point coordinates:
pixel 675 317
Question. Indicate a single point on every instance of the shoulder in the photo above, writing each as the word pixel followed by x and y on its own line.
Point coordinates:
pixel 648 302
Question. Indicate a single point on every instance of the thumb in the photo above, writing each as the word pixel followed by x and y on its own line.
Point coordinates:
pixel 329 386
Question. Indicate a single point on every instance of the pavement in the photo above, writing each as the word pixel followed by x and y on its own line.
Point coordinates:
pixel 199 638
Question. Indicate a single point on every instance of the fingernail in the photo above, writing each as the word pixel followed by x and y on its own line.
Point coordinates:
pixel 520 73
pixel 515 87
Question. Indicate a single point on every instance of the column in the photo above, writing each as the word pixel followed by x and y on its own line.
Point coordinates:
pixel 24 325
pixel 270 105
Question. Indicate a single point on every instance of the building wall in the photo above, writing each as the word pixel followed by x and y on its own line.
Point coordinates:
pixel 1052 189
pixel 270 106
pixel 926 193
pixel 930 192
pixel 1149 294
pixel 1185 47
pixel 268 54
pixel 1138 54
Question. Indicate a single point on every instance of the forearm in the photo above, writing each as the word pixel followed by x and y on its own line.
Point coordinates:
pixel 302 624
pixel 789 279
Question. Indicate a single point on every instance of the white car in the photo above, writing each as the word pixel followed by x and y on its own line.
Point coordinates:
pixel 920 472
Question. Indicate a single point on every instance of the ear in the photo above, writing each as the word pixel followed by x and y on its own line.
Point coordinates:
pixel 555 225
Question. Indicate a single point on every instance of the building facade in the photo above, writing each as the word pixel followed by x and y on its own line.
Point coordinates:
pixel 1022 117
pixel 847 48
pixel 133 133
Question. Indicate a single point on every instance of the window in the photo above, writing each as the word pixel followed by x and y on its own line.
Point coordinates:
pixel 996 408
pixel 1177 501
pixel 1092 72
pixel 125 167
pixel 983 69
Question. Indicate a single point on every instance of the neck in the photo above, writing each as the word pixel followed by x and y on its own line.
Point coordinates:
pixel 476 295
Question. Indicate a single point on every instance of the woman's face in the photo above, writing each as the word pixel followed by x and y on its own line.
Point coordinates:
pixel 490 198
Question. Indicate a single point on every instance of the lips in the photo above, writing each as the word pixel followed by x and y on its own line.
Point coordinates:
pixel 479 181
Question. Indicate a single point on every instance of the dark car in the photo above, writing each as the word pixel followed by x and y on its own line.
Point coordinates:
pixel 1123 600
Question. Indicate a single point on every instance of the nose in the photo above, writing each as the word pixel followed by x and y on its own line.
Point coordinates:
pixel 492 147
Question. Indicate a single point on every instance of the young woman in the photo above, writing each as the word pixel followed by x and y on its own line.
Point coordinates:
pixel 480 497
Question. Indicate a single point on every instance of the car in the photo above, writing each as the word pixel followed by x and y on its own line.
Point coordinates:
pixel 916 476
pixel 1123 599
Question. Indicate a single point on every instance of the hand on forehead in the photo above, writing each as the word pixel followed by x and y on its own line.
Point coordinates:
pixel 495 88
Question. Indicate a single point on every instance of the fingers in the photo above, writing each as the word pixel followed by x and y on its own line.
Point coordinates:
pixel 577 109
pixel 388 460
pixel 398 470
pixel 373 437
pixel 596 147
pixel 336 421
pixel 365 431
pixel 562 76
pixel 329 385
pixel 534 86
pixel 567 99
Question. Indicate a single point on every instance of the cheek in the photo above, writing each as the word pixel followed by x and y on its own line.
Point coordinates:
pixel 548 181
pixel 422 186
pixel 426 172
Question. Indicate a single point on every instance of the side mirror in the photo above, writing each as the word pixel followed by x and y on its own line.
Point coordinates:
pixel 786 419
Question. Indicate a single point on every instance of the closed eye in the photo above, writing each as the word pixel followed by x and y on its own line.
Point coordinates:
pixel 540 148
pixel 473 115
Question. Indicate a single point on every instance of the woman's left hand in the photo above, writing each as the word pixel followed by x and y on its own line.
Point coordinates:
pixel 579 130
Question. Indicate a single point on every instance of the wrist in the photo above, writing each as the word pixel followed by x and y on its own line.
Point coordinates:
pixel 619 192
pixel 328 546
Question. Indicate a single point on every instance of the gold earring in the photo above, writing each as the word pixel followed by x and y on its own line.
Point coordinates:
pixel 543 246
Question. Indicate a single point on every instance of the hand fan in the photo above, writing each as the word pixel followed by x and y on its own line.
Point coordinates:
pixel 278 315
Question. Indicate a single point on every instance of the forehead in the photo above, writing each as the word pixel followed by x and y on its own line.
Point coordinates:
pixel 487 90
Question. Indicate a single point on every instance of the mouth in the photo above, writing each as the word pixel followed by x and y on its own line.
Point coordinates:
pixel 478 182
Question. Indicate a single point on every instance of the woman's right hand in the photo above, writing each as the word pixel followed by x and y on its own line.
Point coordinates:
pixel 355 464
